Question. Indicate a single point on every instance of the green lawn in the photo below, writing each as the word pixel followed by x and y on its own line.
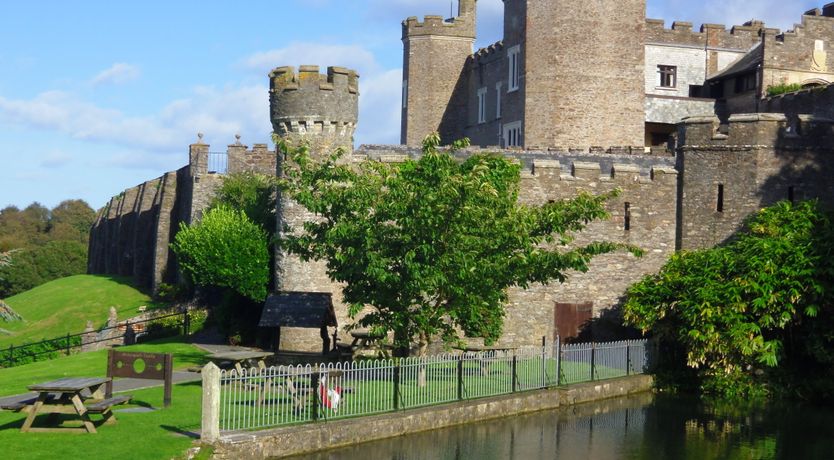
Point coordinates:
pixel 151 435
pixel 65 305
pixel 14 380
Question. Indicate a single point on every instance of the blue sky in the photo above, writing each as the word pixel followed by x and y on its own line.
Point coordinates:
pixel 98 96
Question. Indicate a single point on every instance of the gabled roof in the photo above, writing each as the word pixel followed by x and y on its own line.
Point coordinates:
pixel 299 309
pixel 743 65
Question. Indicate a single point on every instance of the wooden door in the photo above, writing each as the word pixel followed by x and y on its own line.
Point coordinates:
pixel 570 317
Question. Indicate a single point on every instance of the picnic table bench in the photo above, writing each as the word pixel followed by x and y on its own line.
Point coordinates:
pixel 66 396
pixel 241 359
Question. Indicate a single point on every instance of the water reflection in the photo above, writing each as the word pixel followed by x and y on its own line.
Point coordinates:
pixel 637 427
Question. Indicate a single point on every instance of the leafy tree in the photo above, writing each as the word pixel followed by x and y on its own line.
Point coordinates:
pixel 252 193
pixel 732 308
pixel 432 245
pixel 71 220
pixel 225 249
pixel 31 267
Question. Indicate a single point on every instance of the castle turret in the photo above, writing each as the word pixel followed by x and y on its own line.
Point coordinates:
pixel 434 55
pixel 308 106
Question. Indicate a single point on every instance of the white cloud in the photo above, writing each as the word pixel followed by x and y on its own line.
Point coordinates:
pixel 117 74
pixel 379 109
pixel 218 112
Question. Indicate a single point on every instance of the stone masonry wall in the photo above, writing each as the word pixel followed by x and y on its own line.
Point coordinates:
pixel 585 76
pixel 803 54
pixel 757 160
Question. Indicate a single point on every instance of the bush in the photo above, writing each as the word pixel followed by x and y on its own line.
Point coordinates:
pixel 39 351
pixel 783 88
pixel 32 267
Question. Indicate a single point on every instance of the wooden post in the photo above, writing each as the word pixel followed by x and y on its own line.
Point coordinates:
pixel 211 403
pixel 169 378
pixel 111 365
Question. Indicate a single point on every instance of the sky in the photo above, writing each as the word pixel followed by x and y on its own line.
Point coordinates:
pixel 99 96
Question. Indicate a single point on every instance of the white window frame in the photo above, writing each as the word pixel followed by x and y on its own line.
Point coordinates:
pixel 482 92
pixel 405 94
pixel 512 134
pixel 514 68
pixel 498 100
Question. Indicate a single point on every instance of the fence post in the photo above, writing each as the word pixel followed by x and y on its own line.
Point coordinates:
pixel 558 361
pixel 314 383
pixel 593 356
pixel 515 376
pixel 397 386
pixel 628 358
pixel 68 344
pixel 186 324
pixel 211 403
pixel 11 355
pixel 460 378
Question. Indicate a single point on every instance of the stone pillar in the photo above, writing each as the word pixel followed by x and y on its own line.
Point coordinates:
pixel 211 403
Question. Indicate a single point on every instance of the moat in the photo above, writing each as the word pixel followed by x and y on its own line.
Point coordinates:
pixel 637 427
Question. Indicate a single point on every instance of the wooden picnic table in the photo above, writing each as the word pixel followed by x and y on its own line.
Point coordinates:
pixel 485 362
pixel 64 396
pixel 241 359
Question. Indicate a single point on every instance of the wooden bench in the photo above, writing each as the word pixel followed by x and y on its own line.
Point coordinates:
pixel 20 405
pixel 105 406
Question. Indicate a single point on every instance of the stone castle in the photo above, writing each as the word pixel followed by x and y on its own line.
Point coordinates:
pixel 589 96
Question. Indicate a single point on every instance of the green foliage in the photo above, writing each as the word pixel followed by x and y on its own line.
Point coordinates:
pixel 432 245
pixel 252 193
pixel 783 88
pixel 38 351
pixel 733 307
pixel 225 249
pixel 33 267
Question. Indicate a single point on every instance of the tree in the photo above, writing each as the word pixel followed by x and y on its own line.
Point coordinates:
pixel 733 309
pixel 432 245
pixel 71 220
pixel 225 248
pixel 252 193
pixel 34 266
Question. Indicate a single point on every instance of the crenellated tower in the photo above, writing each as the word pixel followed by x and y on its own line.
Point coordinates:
pixel 307 106
pixel 434 56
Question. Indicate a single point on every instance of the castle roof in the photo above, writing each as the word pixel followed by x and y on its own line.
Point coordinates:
pixel 743 65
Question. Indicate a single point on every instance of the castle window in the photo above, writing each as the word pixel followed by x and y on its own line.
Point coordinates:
pixel 627 217
pixel 719 202
pixel 498 100
pixel 668 76
pixel 513 58
pixel 482 105
pixel 512 134
pixel 405 94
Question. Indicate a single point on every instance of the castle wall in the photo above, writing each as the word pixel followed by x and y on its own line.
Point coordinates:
pixel 755 161
pixel 813 101
pixel 487 71
pixel 580 75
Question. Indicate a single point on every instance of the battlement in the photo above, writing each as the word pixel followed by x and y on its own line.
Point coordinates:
pixel 309 78
pixel 316 108
pixel 461 27
pixel 757 130
pixel 739 37
pixel 816 19
pixel 493 51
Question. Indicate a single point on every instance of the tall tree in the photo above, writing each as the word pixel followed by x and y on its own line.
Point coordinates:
pixel 71 220
pixel 432 245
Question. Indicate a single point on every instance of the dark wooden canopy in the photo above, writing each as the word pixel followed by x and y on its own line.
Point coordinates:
pixel 299 309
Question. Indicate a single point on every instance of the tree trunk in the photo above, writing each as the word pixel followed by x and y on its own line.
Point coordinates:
pixel 422 349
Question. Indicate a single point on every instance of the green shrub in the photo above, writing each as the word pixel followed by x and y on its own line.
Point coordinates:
pixel 783 88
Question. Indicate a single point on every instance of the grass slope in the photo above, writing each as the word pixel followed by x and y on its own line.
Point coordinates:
pixel 65 305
